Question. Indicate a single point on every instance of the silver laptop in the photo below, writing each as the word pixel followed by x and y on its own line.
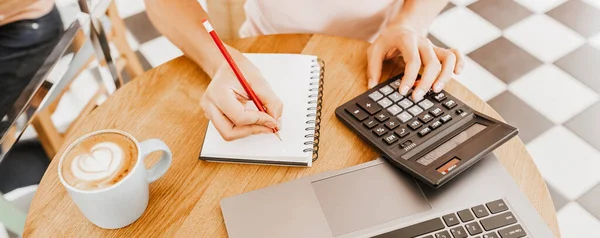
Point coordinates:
pixel 375 199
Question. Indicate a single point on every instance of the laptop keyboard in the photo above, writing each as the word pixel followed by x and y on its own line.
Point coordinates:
pixel 491 220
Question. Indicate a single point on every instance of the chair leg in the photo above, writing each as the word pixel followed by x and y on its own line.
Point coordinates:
pixel 48 135
pixel 134 66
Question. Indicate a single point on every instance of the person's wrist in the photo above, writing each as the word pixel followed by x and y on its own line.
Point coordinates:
pixel 215 61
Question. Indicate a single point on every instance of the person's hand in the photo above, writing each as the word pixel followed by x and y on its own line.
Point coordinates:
pixel 224 100
pixel 416 50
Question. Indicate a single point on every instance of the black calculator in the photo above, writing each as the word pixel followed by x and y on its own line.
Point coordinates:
pixel 434 139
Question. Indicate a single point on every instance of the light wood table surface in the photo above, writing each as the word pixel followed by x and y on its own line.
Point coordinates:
pixel 164 103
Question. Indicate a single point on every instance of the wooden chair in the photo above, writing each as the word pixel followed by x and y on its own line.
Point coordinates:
pixel 50 137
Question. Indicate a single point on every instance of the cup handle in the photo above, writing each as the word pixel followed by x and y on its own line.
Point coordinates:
pixel 161 167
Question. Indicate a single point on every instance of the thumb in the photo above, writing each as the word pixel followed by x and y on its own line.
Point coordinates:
pixel 374 59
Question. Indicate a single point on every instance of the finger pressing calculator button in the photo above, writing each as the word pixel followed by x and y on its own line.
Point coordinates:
pixel 406 103
pixel 382 116
pixel 395 97
pixel 436 112
pixel 395 84
pixel 370 123
pixel 368 105
pixel 394 110
pixel 380 130
pixel 392 124
pixel 440 97
pixel 424 131
pixel 415 124
pixel 435 125
pixel 402 132
pixel 415 110
pixel 385 102
pixel 425 104
pixel 404 117
pixel 386 90
pixel 391 138
pixel 450 104
pixel 446 118
pixel 376 96
pixel 360 115
pixel 426 118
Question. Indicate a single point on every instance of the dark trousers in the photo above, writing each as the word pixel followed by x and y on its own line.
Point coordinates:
pixel 24 46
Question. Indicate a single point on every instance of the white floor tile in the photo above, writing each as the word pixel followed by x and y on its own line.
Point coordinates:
pixel 463 29
pixel 595 41
pixel 133 43
pixel 595 3
pixel 540 5
pixel 544 37
pixel 481 82
pixel 553 93
pixel 463 2
pixel 567 162
pixel 159 51
pixel 130 7
pixel 575 222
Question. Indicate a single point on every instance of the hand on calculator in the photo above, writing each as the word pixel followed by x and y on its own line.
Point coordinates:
pixel 416 50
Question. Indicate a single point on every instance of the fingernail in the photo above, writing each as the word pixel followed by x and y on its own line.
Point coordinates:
pixel 371 84
pixel 418 95
pixel 404 90
pixel 438 87
pixel 270 124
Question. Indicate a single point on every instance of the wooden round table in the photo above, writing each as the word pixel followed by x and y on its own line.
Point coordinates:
pixel 164 103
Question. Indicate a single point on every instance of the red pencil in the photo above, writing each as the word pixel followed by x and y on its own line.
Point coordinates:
pixel 236 70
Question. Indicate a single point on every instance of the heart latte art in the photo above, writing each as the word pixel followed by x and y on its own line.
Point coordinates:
pixel 99 161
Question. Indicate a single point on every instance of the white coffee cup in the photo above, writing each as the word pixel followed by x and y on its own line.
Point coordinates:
pixel 124 202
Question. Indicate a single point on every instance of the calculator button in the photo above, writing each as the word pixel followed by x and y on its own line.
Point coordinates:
pixel 446 118
pixel 415 110
pixel 404 117
pixel 384 102
pixel 459 232
pixel 450 104
pixel 425 104
pixel 474 228
pixel 515 231
pixel 368 105
pixel 424 131
pixel 402 132
pixel 459 111
pixel 496 206
pixel 465 215
pixel 391 138
pixel 406 103
pixel 415 124
pixel 480 211
pixel 380 130
pixel 436 112
pixel 435 125
pixel 443 234
pixel 394 110
pixel 395 97
pixel 491 235
pixel 370 123
pixel 440 97
pixel 376 96
pixel 360 115
pixel 382 116
pixel 426 118
pixel 395 84
pixel 451 219
pixel 407 144
pixel 392 124
pixel 386 90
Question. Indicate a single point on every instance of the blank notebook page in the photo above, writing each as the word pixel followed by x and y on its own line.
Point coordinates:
pixel 290 76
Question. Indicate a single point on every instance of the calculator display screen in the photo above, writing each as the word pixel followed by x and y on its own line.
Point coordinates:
pixel 451 144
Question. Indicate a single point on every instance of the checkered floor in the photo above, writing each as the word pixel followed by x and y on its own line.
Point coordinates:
pixel 534 61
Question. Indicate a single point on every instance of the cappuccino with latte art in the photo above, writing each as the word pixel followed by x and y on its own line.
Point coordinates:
pixel 99 161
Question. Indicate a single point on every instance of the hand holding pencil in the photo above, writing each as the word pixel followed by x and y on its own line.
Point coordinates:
pixel 234 83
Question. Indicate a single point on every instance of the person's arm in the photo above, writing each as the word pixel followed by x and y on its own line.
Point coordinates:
pixel 223 101
pixel 405 34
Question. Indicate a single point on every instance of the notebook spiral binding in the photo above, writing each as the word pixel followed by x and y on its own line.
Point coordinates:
pixel 314 111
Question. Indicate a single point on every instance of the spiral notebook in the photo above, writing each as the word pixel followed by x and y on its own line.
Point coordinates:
pixel 298 82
